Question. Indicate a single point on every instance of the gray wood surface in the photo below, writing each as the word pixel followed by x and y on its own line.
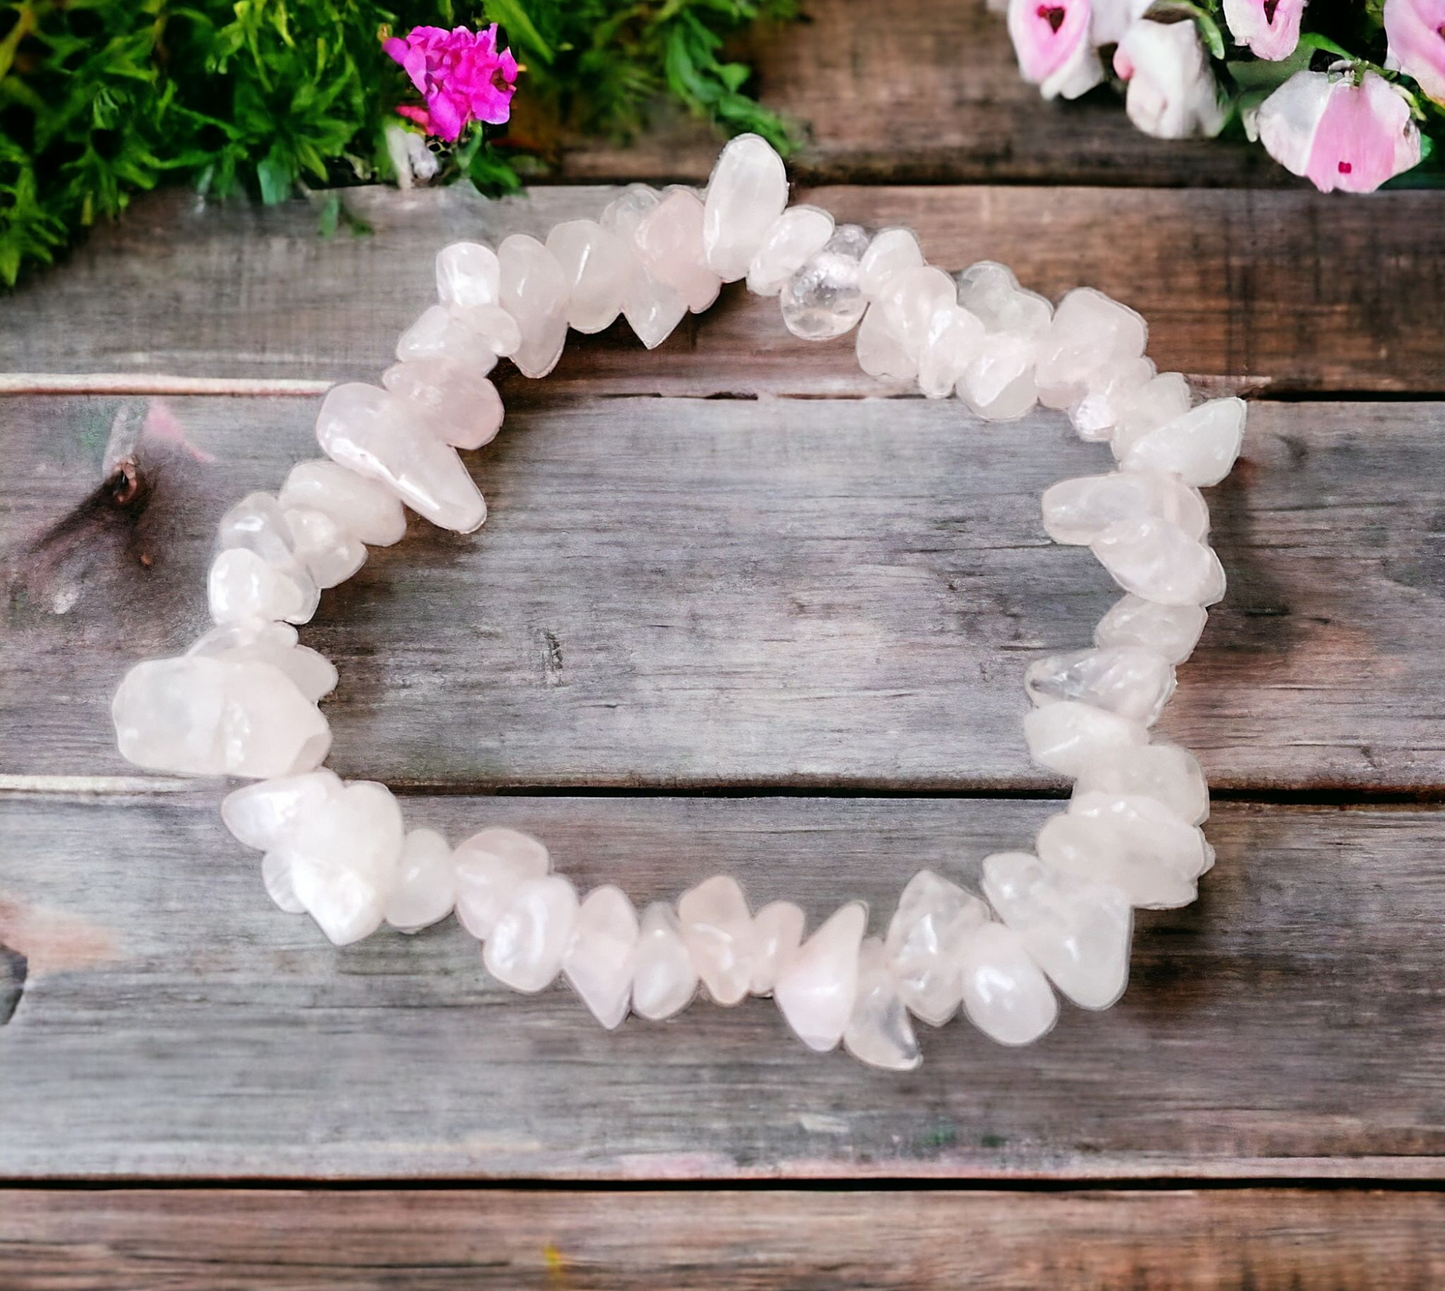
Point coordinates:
pixel 1286 291
pixel 1268 1240
pixel 782 593
pixel 174 1025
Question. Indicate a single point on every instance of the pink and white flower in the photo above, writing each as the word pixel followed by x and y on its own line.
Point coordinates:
pixel 1416 32
pixel 1172 91
pixel 1270 28
pixel 1051 39
pixel 1112 18
pixel 1340 133
pixel 461 75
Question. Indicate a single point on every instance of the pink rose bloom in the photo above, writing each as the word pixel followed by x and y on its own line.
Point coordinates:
pixel 1051 39
pixel 1172 91
pixel 1270 28
pixel 459 73
pixel 1337 133
pixel 1416 32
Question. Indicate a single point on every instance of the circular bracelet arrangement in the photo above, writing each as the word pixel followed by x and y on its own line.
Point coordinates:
pixel 243 700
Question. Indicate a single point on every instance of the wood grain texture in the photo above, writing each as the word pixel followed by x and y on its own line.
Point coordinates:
pixel 683 593
pixel 1266 1239
pixel 916 91
pixel 174 1024
pixel 1291 291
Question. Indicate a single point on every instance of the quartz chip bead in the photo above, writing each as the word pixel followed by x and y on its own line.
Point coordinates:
pixel 490 866
pixel 459 404
pixel 343 858
pixel 273 643
pixel 745 195
pixel 1077 511
pixel 1158 561
pixel 598 962
pixel 953 338
pixel 891 251
pixel 468 274
pixel 596 266
pixel 260 815
pixel 879 1032
pixel 896 327
pixel 816 990
pixel 1170 775
pixel 1067 736
pixel 364 507
pixel 474 336
pixel 534 293
pixel 664 979
pixel 1110 392
pixel 717 929
pixel 1076 931
pixel 652 309
pixel 426 883
pixel 998 383
pixel 328 552
pixel 1126 680
pixel 1200 447
pixel 1089 333
pixel 1171 631
pixel 531 935
pixel 205 716
pixel 669 240
pixel 794 238
pixel 382 437
pixel 823 300
pixel 242 587
pixel 777 934
pixel 1164 398
pixel 276 879
pixel 1005 994
pixel 924 939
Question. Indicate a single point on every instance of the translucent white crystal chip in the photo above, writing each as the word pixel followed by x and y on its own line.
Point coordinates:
pixel 951 343
pixel 599 959
pixel 1111 392
pixel 276 877
pixel 652 309
pixel 1077 511
pixel 468 274
pixel 343 858
pixel 1005 995
pixel 925 939
pixel 669 239
pixel 490 866
pixel 717 928
pixel 472 337
pixel 525 947
pixel 747 192
pixel 1089 332
pixel 1201 446
pixel 260 815
pixel 202 716
pixel 1126 680
pixel 596 265
pixel 879 1032
pixel 460 404
pixel 1076 931
pixel 895 329
pixel 242 587
pixel 1165 772
pixel 1168 630
pixel 777 934
pixel 664 979
pixel 797 235
pixel 816 990
pixel 362 506
pixel 382 437
pixel 822 299
pixel 890 252
pixel 329 554
pixel 534 292
pixel 998 383
pixel 272 643
pixel 426 883
pixel 1066 737
pixel 1161 400
pixel 1158 561
pixel 990 292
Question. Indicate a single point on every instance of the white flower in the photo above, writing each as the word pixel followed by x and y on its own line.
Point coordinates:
pixel 1172 91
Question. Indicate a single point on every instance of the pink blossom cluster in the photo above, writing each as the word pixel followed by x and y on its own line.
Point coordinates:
pixel 460 74
pixel 1349 126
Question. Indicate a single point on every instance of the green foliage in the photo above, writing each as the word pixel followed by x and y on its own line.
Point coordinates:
pixel 100 99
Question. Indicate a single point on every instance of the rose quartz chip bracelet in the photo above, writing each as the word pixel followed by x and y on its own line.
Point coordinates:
pixel 243 700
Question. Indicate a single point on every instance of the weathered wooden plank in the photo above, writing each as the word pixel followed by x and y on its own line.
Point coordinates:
pixel 785 593
pixel 913 91
pixel 1267 1239
pixel 1293 290
pixel 174 1024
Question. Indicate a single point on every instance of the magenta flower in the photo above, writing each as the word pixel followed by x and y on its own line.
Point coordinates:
pixel 1051 39
pixel 1340 134
pixel 1416 32
pixel 1270 28
pixel 460 74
